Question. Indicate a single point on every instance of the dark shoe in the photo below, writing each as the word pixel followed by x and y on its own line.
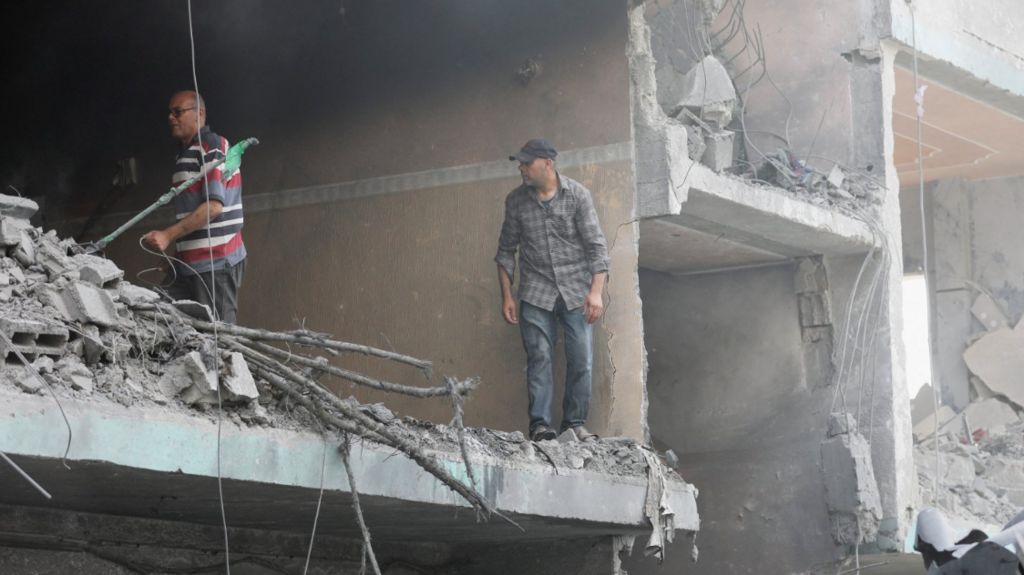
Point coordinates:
pixel 582 434
pixel 542 433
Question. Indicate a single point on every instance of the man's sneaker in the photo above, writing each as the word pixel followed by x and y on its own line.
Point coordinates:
pixel 542 433
pixel 582 434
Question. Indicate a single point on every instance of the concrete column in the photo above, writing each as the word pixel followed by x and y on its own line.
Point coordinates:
pixel 872 85
pixel 950 244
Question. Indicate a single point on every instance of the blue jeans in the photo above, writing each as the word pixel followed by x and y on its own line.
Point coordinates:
pixel 539 329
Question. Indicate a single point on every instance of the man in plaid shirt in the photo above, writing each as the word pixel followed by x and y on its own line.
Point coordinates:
pixel 563 257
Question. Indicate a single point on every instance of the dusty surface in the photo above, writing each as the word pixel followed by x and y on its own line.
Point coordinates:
pixel 133 363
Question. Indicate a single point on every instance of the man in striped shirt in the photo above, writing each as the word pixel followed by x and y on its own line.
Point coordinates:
pixel 207 235
pixel 551 221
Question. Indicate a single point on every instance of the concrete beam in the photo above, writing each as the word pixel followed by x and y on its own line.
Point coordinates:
pixel 969 50
pixel 151 461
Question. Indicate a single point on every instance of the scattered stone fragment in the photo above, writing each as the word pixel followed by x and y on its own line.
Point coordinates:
pixel 17 207
pixel 238 381
pixel 98 271
pixel 134 295
pixel 194 309
pixel 90 304
pixel 25 251
pixel 568 436
pixel 378 411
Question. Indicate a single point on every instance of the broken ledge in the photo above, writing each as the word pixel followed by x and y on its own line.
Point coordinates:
pixel 736 222
pixel 152 462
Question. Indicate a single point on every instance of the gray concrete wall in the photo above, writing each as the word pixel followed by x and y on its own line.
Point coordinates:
pixel 806 95
pixel 730 394
pixel 398 89
pixel 958 36
pixel 973 230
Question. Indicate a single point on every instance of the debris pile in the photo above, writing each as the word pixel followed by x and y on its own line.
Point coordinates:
pixel 72 327
pixel 786 170
pixel 979 451
pixel 707 109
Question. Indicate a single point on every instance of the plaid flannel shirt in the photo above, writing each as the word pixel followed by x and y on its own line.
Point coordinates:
pixel 561 246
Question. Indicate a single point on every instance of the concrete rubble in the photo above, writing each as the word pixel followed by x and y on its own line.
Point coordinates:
pixel 851 491
pixel 74 327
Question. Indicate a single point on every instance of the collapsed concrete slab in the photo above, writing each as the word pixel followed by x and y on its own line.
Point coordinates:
pixel 116 468
pixel 997 360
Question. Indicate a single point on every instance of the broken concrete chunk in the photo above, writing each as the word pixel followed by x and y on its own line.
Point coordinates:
pixel 997 360
pixel 988 312
pixel 568 436
pixel 174 380
pixel 17 207
pixel 25 251
pixel 31 338
pixel 926 428
pixel 194 309
pixel 718 149
pixel 238 381
pixel 28 382
pixel 836 177
pixel 134 295
pixel 923 404
pixel 51 256
pixel 709 92
pixel 90 304
pixel 851 492
pixel 989 414
pixel 10 234
pixel 98 271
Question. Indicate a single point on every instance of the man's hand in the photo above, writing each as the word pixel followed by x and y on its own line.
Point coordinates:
pixel 593 306
pixel 508 310
pixel 159 240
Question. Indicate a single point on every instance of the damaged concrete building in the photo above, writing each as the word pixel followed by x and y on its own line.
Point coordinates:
pixel 746 160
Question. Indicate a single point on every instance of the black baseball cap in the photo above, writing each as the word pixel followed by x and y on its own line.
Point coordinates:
pixel 535 148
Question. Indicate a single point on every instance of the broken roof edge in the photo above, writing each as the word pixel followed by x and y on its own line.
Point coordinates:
pixel 771 213
pixel 31 426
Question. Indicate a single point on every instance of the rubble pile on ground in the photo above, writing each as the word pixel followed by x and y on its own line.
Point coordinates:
pixel 979 449
pixel 73 327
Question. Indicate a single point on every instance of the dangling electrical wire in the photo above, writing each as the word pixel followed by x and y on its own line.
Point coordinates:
pixel 212 288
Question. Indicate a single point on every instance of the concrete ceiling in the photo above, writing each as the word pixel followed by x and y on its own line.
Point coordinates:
pixel 962 137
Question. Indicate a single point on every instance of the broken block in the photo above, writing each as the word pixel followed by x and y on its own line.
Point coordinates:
pixel 718 149
pixel 17 207
pixel 708 89
pixel 987 311
pixel 133 295
pixel 996 359
pixel 31 338
pixel 926 427
pixel 851 492
pixel 194 309
pixel 25 251
pixel 52 256
pixel 238 380
pixel 98 271
pixel 90 304
pixel 10 234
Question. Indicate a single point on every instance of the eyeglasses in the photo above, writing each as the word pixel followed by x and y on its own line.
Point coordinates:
pixel 177 112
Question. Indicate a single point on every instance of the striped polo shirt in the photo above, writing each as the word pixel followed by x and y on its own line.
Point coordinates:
pixel 224 233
